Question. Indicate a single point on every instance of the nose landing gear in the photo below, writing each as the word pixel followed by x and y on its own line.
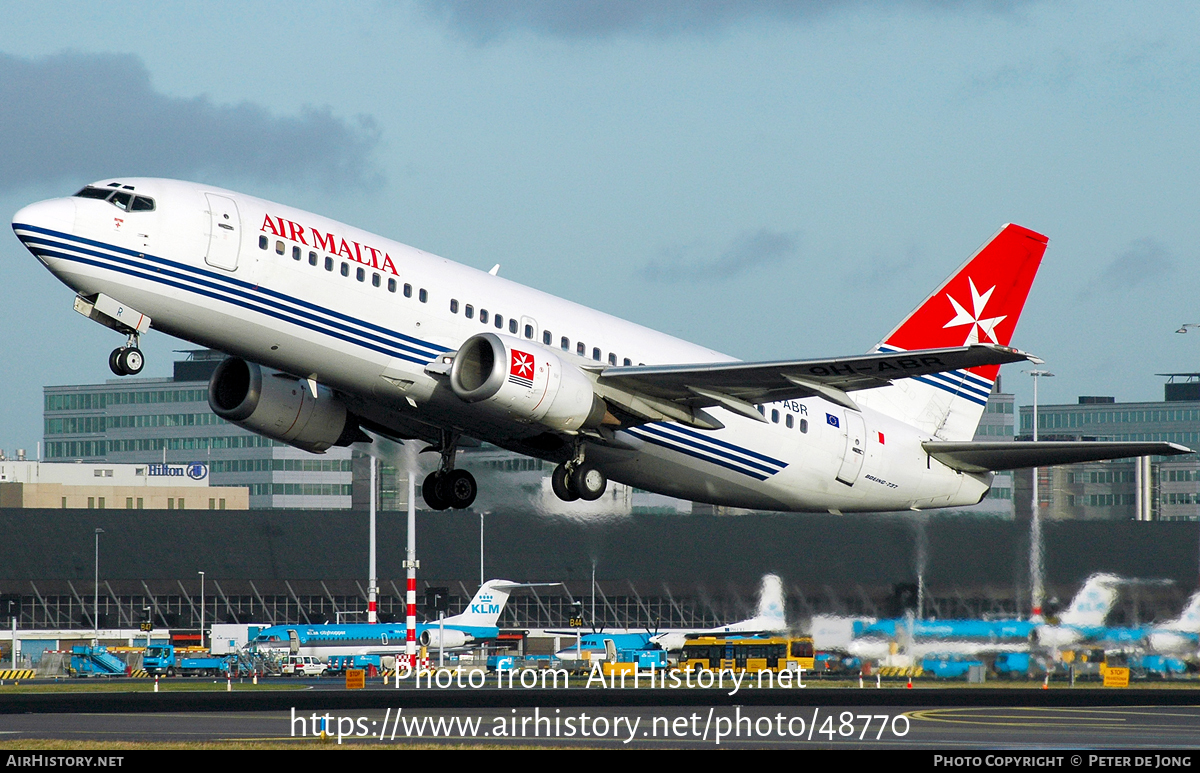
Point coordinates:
pixel 128 359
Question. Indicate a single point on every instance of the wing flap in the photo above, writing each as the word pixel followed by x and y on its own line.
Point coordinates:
pixel 986 457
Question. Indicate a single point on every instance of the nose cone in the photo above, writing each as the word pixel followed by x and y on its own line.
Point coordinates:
pixel 44 219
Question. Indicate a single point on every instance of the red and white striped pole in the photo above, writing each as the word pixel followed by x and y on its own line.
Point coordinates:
pixel 372 608
pixel 410 622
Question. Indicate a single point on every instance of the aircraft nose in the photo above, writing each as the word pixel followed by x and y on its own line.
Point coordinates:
pixel 56 215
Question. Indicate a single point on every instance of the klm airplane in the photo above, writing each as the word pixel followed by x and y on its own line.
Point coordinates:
pixel 477 624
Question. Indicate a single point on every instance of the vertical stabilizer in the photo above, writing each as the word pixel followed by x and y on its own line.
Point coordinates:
pixel 770 600
pixel 979 303
pixel 1092 603
pixel 1189 619
pixel 484 610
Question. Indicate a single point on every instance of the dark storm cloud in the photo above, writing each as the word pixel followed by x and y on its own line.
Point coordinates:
pixel 745 253
pixel 87 116
pixel 485 20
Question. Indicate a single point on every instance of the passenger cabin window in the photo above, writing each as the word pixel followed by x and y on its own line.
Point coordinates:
pixel 295 253
pixel 423 296
pixel 529 331
pixel 596 353
pixel 278 248
pixel 407 291
pixel 391 285
pixel 376 280
pixel 312 258
pixel 581 349
pixel 775 415
pixel 789 421
pixel 263 242
pixel 483 316
pixel 612 359
pixel 360 274
pixel 453 306
pixel 547 337
pixel 566 344
pixel 345 268
pixel 512 327
pixel 469 311
pixel 804 425
pixel 628 362
pixel 328 263
pixel 499 321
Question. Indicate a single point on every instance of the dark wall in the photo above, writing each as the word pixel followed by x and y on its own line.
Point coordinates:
pixel 713 551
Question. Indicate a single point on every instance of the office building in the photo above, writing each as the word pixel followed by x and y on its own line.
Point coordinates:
pixel 1153 488
pixel 167 420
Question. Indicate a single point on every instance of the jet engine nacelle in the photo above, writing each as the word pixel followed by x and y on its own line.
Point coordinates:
pixel 526 382
pixel 279 406
pixel 1056 636
pixel 431 637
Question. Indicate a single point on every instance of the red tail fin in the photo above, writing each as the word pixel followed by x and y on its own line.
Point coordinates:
pixel 979 303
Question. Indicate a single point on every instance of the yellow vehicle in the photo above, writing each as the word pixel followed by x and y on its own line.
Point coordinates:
pixel 749 653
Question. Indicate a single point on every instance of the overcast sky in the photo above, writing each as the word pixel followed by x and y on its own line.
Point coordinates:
pixel 771 179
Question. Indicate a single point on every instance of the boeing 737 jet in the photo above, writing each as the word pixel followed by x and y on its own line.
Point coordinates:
pixel 332 331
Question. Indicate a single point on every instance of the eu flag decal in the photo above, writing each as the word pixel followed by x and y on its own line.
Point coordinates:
pixel 831 420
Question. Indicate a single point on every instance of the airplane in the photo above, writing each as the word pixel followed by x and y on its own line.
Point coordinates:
pixel 332 332
pixel 462 631
pixel 1180 636
pixel 1082 621
pixel 768 618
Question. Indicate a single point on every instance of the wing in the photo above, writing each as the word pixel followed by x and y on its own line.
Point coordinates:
pixel 738 386
pixel 985 457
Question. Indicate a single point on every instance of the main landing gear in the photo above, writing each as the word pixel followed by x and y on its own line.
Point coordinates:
pixel 577 479
pixel 128 359
pixel 446 487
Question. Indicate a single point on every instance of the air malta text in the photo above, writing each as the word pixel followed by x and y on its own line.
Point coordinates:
pixel 351 250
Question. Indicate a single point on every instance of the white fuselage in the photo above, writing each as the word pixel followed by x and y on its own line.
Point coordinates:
pixel 372 344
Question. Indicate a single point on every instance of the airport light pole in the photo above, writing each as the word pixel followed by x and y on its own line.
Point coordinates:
pixel 1036 567
pixel 96 592
pixel 201 609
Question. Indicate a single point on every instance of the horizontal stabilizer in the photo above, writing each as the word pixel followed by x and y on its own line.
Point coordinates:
pixel 986 457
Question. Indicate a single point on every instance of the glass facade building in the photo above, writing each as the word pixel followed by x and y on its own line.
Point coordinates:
pixel 1109 490
pixel 146 420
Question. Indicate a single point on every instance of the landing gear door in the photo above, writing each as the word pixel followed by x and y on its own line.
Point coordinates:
pixel 856 447
pixel 224 232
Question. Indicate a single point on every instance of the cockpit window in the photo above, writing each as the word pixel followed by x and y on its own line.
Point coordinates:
pixel 119 199
pixel 93 193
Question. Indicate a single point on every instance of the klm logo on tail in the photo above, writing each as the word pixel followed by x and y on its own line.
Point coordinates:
pixel 486 605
